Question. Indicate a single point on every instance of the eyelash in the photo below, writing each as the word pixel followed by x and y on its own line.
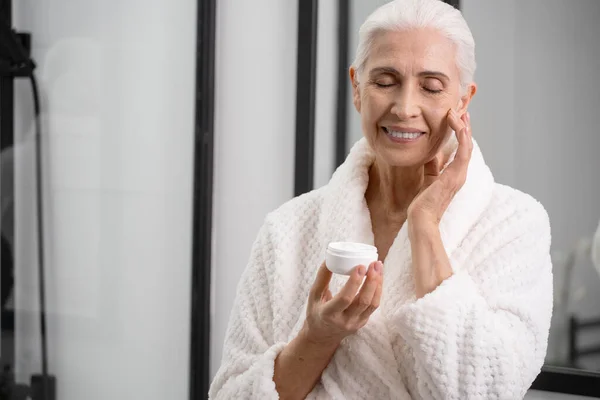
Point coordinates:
pixel 433 91
pixel 381 85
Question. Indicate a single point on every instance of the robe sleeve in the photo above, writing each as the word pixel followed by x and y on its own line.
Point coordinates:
pixel 482 334
pixel 249 352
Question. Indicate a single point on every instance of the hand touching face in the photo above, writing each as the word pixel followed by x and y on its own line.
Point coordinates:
pixel 439 187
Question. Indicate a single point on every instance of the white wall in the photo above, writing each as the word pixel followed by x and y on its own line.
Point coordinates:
pixel 359 11
pixel 326 92
pixel 117 82
pixel 255 111
pixel 493 24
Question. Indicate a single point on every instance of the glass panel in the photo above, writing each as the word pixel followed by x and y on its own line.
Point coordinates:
pixel 116 82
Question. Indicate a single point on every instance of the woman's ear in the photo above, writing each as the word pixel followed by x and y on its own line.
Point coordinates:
pixel 355 88
pixel 465 99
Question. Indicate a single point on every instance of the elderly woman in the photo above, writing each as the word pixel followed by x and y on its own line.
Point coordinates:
pixel 459 306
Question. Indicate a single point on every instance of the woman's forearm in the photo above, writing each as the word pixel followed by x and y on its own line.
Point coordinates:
pixel 299 366
pixel 431 265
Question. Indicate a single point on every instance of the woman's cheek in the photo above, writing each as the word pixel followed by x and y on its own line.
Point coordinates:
pixel 437 120
pixel 369 127
pixel 440 130
pixel 373 112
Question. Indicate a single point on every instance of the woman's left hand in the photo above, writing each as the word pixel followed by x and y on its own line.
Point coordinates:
pixel 439 187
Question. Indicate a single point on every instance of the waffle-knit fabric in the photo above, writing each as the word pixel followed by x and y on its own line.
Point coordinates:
pixel 482 334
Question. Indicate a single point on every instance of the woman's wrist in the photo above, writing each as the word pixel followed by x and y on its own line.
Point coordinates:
pixel 420 226
pixel 322 345
pixel 300 364
pixel 430 261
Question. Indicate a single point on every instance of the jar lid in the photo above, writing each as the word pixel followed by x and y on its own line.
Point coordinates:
pixel 351 249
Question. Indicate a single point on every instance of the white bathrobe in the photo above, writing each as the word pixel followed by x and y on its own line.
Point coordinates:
pixel 482 334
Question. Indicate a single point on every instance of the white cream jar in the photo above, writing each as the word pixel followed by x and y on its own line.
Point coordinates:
pixel 343 257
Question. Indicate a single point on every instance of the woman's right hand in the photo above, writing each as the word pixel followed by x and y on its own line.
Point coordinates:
pixel 329 319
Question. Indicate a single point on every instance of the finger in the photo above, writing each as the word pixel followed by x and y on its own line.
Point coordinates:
pixel 455 175
pixel 364 298
pixel 321 284
pixel 455 122
pixel 469 130
pixel 465 145
pixel 431 171
pixel 374 302
pixel 433 167
pixel 466 118
pixel 344 298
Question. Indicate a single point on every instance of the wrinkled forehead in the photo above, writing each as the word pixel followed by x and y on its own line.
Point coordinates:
pixel 412 51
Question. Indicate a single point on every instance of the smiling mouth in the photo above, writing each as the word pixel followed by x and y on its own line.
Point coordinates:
pixel 402 135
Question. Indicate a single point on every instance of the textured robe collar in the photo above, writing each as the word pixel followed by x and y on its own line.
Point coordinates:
pixel 345 214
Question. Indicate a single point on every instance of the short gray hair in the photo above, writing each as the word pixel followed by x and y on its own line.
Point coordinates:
pixel 399 15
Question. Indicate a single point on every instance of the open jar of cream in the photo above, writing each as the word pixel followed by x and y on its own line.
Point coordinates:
pixel 343 257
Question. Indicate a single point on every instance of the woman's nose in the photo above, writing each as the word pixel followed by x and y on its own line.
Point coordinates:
pixel 406 104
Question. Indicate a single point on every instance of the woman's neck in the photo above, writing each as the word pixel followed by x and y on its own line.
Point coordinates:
pixel 391 189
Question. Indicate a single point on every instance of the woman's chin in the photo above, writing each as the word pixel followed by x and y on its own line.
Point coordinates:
pixel 401 156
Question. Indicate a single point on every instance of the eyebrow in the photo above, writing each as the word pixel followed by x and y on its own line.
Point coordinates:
pixel 394 71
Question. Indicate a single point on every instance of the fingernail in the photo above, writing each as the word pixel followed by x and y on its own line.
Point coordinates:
pixel 361 270
pixel 377 266
pixel 468 117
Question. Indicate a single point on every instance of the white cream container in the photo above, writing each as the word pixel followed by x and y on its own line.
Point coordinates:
pixel 343 257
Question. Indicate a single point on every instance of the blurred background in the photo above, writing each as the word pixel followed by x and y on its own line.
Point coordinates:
pixel 170 129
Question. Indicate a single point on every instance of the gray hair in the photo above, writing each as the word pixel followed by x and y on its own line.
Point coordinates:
pixel 399 15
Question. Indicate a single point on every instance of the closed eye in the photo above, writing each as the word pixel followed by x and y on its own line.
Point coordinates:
pixel 432 85
pixel 432 91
